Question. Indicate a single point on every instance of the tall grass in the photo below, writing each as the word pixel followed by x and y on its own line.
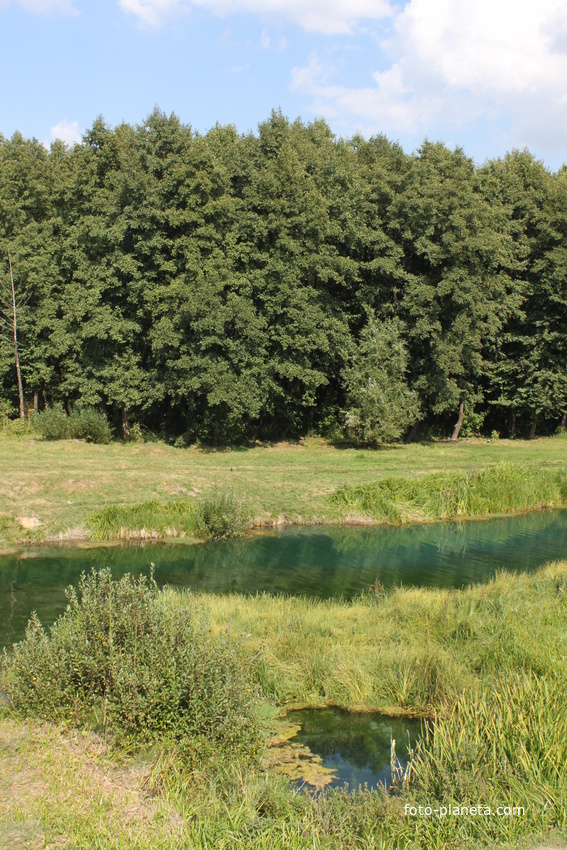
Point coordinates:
pixel 499 489
pixel 218 515
pixel 149 519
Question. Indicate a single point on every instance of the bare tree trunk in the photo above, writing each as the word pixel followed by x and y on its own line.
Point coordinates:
pixel 512 426
pixel 125 425
pixel 531 435
pixel 15 330
pixel 459 422
pixel 410 436
pixel 36 402
pixel 563 423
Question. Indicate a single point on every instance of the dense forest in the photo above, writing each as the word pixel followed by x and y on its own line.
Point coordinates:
pixel 229 287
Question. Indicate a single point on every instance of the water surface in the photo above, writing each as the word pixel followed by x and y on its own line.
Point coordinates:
pixel 356 746
pixel 321 561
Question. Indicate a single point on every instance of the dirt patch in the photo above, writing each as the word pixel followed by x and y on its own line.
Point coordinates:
pixel 30 523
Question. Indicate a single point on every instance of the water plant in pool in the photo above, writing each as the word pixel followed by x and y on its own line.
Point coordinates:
pixel 355 748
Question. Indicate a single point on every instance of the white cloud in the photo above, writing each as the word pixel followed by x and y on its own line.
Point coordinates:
pixel 45 7
pixel 66 131
pixel 326 16
pixel 453 63
pixel 265 40
pixel 151 12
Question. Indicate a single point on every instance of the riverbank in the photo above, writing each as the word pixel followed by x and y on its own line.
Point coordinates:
pixel 49 489
pixel 489 662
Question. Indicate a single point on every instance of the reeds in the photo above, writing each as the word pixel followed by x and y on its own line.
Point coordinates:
pixel 218 515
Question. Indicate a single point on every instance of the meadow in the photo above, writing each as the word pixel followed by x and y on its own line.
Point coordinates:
pixel 58 485
pixel 94 754
pixel 485 666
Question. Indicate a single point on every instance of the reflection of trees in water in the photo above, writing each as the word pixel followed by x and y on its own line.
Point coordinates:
pixel 320 562
pixel 363 740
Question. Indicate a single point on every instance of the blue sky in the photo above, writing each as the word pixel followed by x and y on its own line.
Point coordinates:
pixel 488 75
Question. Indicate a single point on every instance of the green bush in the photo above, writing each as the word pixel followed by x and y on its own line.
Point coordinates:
pixel 124 658
pixel 82 424
pixel 221 515
pixel 53 423
pixel 90 425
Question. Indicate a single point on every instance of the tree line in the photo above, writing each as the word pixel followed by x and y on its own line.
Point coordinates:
pixel 227 287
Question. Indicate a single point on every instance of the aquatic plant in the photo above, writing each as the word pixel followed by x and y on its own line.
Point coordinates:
pixel 218 515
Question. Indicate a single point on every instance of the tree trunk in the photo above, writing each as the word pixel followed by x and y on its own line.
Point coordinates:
pixel 563 423
pixel 459 422
pixel 125 425
pixel 36 402
pixel 410 436
pixel 512 426
pixel 533 428
pixel 15 330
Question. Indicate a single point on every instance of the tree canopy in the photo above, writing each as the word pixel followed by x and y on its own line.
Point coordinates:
pixel 227 287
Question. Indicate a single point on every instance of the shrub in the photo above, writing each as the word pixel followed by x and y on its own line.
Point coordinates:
pixel 124 658
pixel 90 425
pixel 221 515
pixel 82 424
pixel 53 423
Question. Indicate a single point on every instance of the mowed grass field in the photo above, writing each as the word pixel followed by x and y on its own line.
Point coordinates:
pixel 58 484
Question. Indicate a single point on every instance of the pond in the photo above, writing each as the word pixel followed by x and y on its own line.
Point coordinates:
pixel 319 561
pixel 355 746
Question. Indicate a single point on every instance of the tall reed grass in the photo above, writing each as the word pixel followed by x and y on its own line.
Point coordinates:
pixel 148 519
pixel 217 515
pixel 499 489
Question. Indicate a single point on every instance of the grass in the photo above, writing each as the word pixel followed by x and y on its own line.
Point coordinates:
pixel 408 650
pixel 150 519
pixel 59 484
pixel 488 664
pixel 499 489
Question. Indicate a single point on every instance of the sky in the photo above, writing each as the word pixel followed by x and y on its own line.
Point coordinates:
pixel 487 75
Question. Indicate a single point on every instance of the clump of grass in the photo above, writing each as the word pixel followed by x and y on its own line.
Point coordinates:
pixel 499 489
pixel 509 740
pixel 219 515
pixel 149 519
pixel 121 659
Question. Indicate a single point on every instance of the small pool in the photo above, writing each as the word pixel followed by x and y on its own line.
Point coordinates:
pixel 356 746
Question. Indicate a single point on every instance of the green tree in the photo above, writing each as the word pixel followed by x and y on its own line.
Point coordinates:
pixel 380 404
pixel 458 291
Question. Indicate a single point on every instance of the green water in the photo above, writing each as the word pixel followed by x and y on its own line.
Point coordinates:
pixel 355 746
pixel 318 561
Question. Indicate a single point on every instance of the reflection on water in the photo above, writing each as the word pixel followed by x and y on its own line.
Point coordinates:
pixel 355 746
pixel 319 561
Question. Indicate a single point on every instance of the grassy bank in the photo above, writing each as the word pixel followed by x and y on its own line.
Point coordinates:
pixel 488 664
pixel 500 489
pixel 52 487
